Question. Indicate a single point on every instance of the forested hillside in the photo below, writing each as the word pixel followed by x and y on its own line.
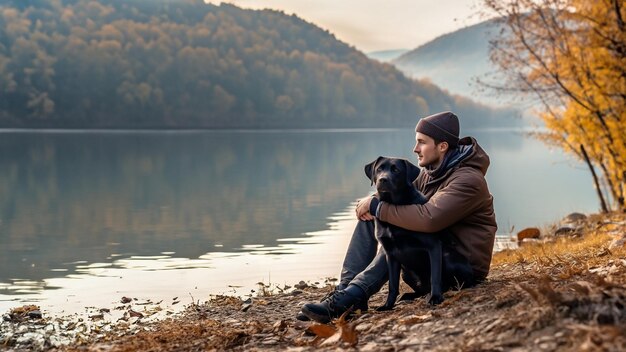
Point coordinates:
pixel 184 64
pixel 455 60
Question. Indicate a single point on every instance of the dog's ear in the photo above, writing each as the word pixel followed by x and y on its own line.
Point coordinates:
pixel 369 169
pixel 412 171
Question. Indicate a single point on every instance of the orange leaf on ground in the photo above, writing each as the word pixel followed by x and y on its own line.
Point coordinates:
pixel 322 330
pixel 349 334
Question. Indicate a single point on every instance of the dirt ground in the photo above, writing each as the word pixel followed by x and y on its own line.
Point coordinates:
pixel 565 293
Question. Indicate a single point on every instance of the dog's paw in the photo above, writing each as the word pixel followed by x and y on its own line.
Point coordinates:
pixel 384 308
pixel 435 300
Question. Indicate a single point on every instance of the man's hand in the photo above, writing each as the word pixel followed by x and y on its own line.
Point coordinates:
pixel 363 209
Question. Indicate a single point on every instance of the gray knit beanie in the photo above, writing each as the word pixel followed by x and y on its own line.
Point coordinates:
pixel 442 126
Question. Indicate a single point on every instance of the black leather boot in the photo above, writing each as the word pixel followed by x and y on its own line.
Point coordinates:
pixel 300 316
pixel 352 298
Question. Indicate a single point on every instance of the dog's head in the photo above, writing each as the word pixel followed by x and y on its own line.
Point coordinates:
pixel 392 176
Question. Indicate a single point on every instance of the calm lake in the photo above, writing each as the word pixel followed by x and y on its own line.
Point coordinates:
pixel 87 217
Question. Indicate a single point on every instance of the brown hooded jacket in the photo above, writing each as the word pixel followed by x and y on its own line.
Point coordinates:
pixel 459 201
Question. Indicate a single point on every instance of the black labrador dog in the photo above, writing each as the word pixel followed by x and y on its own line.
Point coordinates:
pixel 406 249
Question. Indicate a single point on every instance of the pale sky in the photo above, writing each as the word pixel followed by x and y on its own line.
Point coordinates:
pixel 372 25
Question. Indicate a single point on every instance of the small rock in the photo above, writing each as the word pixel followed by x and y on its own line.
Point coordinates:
pixel 135 314
pixel 126 300
pixel 567 230
pixel 35 314
pixel 530 232
pixel 575 217
pixel 246 305
pixel 301 285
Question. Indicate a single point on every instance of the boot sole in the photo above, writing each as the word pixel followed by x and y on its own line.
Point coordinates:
pixel 300 316
pixel 324 319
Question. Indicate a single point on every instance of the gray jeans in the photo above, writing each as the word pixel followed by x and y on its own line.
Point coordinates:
pixel 364 265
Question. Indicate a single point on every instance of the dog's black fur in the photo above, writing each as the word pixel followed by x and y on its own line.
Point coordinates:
pixel 406 249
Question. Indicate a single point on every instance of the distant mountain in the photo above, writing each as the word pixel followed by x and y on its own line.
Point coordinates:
pixel 453 61
pixel 386 55
pixel 187 64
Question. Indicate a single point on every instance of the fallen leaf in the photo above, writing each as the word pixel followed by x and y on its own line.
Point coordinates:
pixel 349 334
pixel 334 339
pixel 347 331
pixel 322 330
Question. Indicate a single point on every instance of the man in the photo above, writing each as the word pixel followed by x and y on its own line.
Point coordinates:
pixel 459 204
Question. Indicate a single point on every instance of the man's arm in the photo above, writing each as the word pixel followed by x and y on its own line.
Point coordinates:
pixel 458 199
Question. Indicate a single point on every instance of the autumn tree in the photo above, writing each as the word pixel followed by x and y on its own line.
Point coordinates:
pixel 570 55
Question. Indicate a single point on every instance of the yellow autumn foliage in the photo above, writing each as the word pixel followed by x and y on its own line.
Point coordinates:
pixel 571 56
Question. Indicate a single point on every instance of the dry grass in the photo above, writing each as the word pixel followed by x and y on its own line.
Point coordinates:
pixel 587 251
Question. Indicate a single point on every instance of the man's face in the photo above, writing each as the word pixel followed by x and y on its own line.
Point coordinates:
pixel 429 154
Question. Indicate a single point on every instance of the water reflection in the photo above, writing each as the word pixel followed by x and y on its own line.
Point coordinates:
pixel 70 197
pixel 76 203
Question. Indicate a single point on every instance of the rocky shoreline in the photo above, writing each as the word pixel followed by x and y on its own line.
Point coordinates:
pixel 561 291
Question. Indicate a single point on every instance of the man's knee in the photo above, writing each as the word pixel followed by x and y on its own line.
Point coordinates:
pixel 366 226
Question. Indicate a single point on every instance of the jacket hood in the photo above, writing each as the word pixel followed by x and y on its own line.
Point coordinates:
pixel 478 159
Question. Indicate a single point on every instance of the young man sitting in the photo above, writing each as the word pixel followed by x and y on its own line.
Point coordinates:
pixel 459 203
